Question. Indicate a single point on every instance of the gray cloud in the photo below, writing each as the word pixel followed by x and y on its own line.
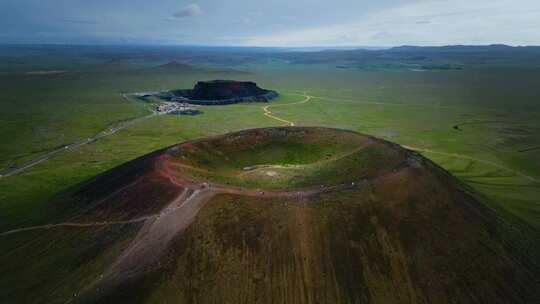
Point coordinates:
pixel 381 35
pixel 272 23
pixel 191 10
pixel 77 21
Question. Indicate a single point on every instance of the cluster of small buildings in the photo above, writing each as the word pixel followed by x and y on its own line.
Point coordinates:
pixel 176 108
pixel 206 93
pixel 145 94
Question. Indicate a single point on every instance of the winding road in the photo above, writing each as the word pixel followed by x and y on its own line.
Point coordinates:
pixel 268 113
pixel 159 229
pixel 112 130
pixel 216 188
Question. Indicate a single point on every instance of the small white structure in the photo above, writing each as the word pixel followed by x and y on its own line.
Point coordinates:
pixel 176 108
pixel 145 94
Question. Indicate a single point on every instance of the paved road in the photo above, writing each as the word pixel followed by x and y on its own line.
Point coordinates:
pixel 266 111
pixel 107 132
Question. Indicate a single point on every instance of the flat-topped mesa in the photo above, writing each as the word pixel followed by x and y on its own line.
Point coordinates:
pixel 219 92
pixel 225 89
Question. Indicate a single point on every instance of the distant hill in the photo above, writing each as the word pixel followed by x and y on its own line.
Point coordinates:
pixel 226 92
pixel 461 48
pixel 178 67
pixel 459 55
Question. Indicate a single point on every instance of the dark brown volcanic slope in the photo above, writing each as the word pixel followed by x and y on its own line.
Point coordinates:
pixel 295 215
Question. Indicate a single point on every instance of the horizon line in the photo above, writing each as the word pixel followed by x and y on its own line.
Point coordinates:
pixel 265 47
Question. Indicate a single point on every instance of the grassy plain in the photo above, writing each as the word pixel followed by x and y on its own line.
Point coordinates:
pixel 495 107
pixel 480 123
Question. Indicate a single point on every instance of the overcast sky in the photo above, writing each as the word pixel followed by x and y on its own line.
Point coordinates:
pixel 271 23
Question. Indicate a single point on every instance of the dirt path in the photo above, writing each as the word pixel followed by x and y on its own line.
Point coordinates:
pixel 151 242
pixel 76 225
pixel 422 150
pixel 218 188
pixel 178 203
pixel 268 113
pixel 154 237
pixel 146 250
pixel 487 162
pixel 149 245
pixel 250 169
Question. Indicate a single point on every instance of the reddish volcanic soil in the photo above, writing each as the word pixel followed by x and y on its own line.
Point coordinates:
pixel 180 199
pixel 380 224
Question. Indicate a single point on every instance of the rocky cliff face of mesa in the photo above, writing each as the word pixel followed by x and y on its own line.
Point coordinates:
pixel 225 92
pixel 224 89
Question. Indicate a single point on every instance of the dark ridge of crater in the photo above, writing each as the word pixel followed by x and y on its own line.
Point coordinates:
pixel 217 92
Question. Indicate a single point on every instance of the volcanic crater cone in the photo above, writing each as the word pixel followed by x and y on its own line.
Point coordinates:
pixel 298 215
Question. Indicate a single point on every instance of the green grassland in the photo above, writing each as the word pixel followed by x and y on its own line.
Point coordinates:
pixel 42 112
pixel 65 262
pixel 492 151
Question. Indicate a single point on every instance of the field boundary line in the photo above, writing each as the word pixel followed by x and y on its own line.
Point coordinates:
pixel 488 162
pixel 400 104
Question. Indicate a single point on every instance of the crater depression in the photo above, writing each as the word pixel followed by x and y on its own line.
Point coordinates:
pixel 291 215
